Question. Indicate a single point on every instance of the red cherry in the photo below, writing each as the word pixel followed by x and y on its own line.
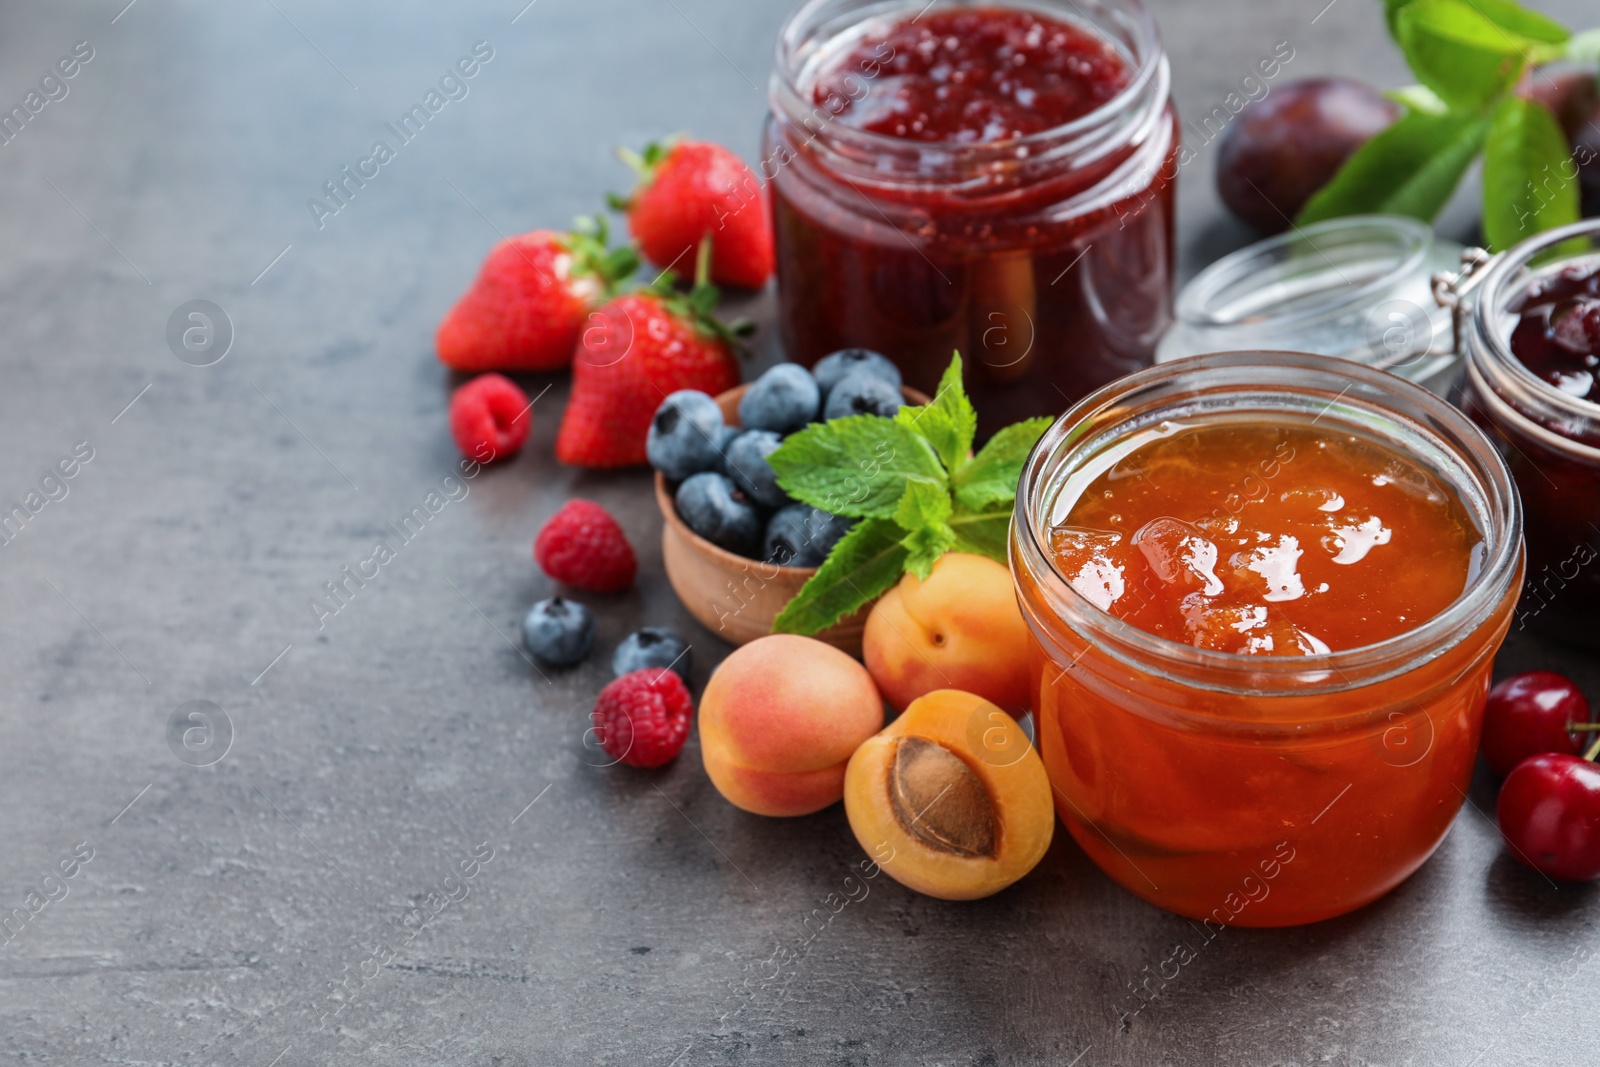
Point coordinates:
pixel 1549 815
pixel 1531 713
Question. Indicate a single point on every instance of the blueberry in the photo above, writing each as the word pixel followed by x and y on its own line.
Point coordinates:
pixel 715 509
pixel 860 393
pixel 830 370
pixel 683 435
pixel 781 400
pixel 750 471
pixel 558 631
pixel 653 646
pixel 725 438
pixel 802 536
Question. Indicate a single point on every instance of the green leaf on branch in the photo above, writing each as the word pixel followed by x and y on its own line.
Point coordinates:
pixel 992 475
pixel 857 466
pixel 948 422
pixel 1528 183
pixel 1411 168
pixel 1459 53
pixel 865 564
pixel 1507 14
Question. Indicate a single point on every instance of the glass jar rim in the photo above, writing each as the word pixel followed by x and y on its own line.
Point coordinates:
pixel 1382 401
pixel 1522 393
pixel 789 97
pixel 1198 300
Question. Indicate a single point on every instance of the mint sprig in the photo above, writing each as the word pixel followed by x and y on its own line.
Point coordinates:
pixel 916 487
pixel 1469 56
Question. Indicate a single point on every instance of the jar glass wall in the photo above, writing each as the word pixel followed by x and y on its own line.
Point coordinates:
pixel 1550 439
pixel 1262 790
pixel 1046 260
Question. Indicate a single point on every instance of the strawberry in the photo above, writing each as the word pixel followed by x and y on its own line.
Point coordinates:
pixel 643 346
pixel 690 189
pixel 528 303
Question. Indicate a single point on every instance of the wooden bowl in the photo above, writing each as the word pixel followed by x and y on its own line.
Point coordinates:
pixel 734 597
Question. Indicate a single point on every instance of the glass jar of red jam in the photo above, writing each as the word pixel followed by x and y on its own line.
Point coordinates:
pixel 1265 591
pixel 994 179
pixel 1529 326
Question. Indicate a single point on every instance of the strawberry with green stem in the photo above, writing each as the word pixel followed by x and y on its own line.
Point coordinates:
pixel 638 349
pixel 689 191
pixel 527 306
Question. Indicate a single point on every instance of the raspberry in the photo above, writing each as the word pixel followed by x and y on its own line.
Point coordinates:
pixel 583 546
pixel 489 418
pixel 642 718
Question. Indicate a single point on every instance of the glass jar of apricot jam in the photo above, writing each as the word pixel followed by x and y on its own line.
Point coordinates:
pixel 990 178
pixel 1529 325
pixel 1265 591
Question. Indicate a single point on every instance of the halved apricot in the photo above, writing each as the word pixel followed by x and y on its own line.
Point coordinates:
pixel 950 798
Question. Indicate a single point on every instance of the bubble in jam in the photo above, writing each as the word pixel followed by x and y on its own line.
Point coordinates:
pixel 1284 539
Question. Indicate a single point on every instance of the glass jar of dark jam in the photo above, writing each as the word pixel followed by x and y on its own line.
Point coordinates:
pixel 1529 324
pixel 995 179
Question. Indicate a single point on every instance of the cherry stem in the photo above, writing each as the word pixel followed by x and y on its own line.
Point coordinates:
pixel 1593 750
pixel 1584 727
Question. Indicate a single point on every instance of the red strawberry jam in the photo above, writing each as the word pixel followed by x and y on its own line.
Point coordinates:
pixel 972 74
pixel 991 179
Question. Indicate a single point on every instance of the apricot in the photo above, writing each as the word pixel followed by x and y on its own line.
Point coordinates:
pixel 950 798
pixel 779 720
pixel 960 629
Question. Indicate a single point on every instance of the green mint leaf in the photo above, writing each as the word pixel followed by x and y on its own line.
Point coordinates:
pixel 1409 169
pixel 865 564
pixel 922 504
pixel 925 545
pixel 949 422
pixel 992 475
pixel 984 533
pixel 857 466
pixel 1458 52
pixel 1526 184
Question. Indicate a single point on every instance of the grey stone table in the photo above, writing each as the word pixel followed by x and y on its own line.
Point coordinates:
pixel 253 911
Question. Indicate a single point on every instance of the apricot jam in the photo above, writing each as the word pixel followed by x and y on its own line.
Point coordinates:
pixel 1266 540
pixel 991 179
pixel 1265 592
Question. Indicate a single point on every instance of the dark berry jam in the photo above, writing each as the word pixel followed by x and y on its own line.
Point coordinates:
pixel 1557 336
pixel 977 74
pixel 929 197
pixel 1551 443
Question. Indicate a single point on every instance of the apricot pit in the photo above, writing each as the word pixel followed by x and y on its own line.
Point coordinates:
pixel 950 798
pixel 938 798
